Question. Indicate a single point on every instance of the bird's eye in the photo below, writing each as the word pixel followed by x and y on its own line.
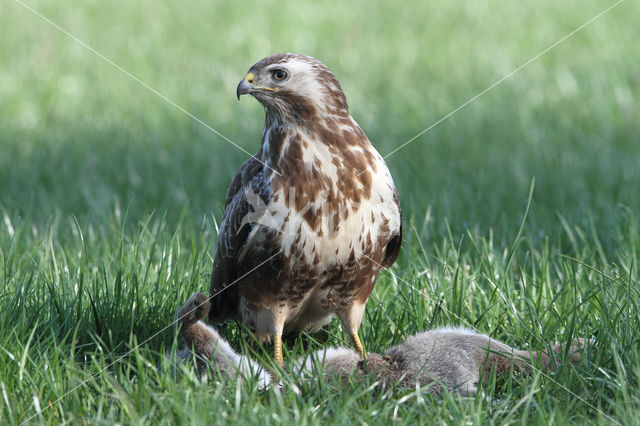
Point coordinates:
pixel 279 75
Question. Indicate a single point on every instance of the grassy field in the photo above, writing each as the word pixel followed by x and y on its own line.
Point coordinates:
pixel 110 199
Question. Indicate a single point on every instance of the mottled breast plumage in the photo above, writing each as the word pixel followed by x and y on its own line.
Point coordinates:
pixel 317 205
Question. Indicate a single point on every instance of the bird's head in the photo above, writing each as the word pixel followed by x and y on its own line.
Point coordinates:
pixel 294 87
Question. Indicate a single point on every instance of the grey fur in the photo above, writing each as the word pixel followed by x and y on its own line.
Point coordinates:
pixel 211 350
pixel 445 358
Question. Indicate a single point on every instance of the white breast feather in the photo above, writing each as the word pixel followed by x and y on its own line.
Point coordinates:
pixel 351 231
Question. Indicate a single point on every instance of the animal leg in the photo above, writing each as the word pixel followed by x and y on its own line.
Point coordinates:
pixel 358 345
pixel 351 317
pixel 277 350
pixel 278 326
pixel 506 358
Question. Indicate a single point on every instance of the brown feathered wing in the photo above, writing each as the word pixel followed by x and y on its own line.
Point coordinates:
pixel 232 237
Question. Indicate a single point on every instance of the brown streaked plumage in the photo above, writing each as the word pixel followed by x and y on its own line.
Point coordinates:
pixel 318 196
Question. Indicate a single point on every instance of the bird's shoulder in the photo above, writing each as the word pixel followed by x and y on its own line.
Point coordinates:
pixel 249 170
pixel 249 189
pixel 232 236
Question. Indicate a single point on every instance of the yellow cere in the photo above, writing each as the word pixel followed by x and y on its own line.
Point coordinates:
pixel 249 77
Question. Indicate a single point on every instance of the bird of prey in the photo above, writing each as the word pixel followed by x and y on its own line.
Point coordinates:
pixel 310 219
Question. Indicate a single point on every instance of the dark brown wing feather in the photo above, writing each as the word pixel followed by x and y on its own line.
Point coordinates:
pixel 393 246
pixel 231 239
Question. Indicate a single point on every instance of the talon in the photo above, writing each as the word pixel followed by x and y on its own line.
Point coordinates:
pixel 363 365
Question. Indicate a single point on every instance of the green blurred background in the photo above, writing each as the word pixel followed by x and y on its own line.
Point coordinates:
pixel 110 196
pixel 80 137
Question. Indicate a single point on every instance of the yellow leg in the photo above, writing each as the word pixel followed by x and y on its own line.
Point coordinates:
pixel 358 345
pixel 351 317
pixel 277 349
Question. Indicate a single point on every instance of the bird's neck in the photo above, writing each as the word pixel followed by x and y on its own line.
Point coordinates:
pixel 288 136
pixel 316 153
pixel 275 134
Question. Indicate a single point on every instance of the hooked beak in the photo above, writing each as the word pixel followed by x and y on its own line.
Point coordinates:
pixel 245 86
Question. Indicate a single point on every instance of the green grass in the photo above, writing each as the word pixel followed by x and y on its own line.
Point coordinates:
pixel 110 197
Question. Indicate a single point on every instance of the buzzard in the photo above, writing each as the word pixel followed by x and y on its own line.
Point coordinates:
pixel 311 218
